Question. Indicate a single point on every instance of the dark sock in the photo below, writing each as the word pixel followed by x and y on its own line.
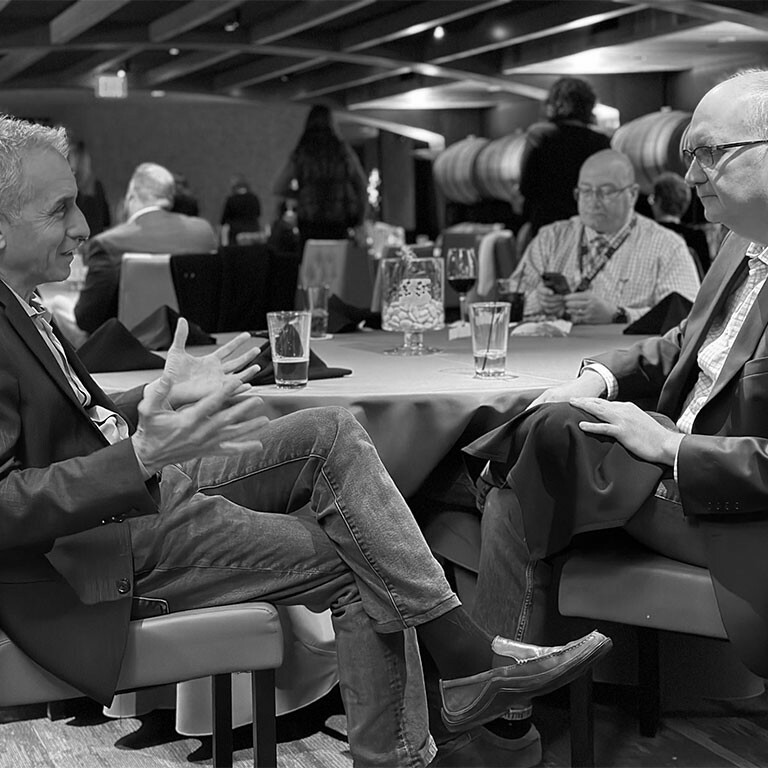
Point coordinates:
pixel 458 645
pixel 509 729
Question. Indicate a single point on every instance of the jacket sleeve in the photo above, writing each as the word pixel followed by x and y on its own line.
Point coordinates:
pixel 39 504
pixel 642 369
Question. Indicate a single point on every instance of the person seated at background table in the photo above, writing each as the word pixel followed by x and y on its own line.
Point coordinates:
pixel 669 201
pixel 242 210
pixel 687 481
pixel 185 493
pixel 555 150
pixel 91 198
pixel 184 199
pixel 617 263
pixel 151 228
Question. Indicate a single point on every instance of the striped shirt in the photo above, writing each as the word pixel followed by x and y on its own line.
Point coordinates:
pixel 648 264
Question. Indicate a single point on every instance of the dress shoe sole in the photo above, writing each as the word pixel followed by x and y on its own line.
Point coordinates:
pixel 479 748
pixel 501 693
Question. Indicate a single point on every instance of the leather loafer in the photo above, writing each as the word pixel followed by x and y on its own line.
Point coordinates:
pixel 520 672
pixel 479 748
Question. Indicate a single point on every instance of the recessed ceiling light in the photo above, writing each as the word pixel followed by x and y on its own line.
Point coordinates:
pixel 173 51
pixel 157 94
pixel 438 33
pixel 121 73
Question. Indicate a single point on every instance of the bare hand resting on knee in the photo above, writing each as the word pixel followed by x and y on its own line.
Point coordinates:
pixel 198 407
pixel 632 427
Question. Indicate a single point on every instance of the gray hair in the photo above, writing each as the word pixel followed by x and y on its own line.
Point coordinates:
pixel 153 185
pixel 17 138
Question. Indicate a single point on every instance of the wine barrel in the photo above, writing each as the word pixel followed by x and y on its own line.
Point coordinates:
pixel 454 170
pixel 652 143
pixel 497 167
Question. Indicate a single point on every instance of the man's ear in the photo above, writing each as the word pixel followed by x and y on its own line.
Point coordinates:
pixel 3 229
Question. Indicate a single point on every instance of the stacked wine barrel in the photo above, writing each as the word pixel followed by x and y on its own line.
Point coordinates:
pixel 475 168
pixel 652 143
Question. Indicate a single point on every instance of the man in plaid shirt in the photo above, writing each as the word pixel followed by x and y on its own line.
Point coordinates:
pixel 688 480
pixel 618 264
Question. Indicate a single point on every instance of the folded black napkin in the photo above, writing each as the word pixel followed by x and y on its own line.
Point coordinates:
pixel 112 347
pixel 668 313
pixel 344 318
pixel 156 330
pixel 317 368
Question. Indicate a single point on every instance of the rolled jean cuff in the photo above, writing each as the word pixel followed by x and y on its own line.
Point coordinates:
pixel 401 623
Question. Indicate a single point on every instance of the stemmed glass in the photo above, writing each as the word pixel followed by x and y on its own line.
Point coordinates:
pixel 461 273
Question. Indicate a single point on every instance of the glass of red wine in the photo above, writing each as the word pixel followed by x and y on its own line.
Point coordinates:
pixel 461 273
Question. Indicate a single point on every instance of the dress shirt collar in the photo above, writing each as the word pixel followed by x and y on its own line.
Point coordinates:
pixel 33 310
pixel 142 211
pixel 593 235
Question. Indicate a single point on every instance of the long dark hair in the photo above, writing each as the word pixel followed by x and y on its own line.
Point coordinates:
pixel 319 135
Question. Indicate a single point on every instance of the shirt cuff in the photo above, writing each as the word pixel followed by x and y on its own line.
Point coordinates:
pixel 674 466
pixel 611 384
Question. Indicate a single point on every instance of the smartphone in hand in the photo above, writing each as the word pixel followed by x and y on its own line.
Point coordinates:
pixel 556 282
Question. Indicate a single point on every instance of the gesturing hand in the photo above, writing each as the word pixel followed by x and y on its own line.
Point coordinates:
pixel 192 378
pixel 220 423
pixel 632 427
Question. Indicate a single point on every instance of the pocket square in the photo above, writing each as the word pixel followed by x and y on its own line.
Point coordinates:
pixel 317 368
pixel 112 347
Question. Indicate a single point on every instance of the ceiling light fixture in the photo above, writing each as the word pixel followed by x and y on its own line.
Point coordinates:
pixel 438 33
pixel 234 23
pixel 173 51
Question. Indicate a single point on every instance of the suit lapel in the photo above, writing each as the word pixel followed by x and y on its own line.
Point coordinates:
pixel 26 329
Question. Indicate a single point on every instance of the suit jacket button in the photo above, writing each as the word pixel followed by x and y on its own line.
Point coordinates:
pixel 123 586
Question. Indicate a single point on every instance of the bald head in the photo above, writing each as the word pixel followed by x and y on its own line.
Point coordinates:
pixel 607 191
pixel 732 183
pixel 612 163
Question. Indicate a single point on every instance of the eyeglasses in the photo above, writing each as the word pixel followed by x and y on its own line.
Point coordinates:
pixel 601 194
pixel 706 154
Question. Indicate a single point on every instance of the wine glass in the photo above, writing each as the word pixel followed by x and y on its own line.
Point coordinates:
pixel 461 272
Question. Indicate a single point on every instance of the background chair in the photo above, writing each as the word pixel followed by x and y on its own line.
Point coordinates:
pixel 197 279
pixel 244 287
pixel 145 285
pixel 181 646
pixel 342 266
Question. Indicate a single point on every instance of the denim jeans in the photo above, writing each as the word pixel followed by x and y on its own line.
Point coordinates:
pixel 313 519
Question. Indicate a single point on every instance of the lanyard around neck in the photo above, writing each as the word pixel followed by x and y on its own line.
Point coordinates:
pixel 586 280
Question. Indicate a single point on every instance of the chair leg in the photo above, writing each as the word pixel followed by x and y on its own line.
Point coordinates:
pixel 582 722
pixel 264 725
pixel 649 680
pixel 222 721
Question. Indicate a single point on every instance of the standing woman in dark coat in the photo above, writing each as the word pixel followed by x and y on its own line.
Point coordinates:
pixel 327 180
pixel 555 150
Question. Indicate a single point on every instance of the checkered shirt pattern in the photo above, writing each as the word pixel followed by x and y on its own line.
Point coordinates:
pixel 651 263
pixel 722 335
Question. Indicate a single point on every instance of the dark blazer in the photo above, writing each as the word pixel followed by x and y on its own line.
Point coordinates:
pixel 154 232
pixel 66 573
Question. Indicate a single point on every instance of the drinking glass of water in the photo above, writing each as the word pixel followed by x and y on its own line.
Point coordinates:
pixel 289 340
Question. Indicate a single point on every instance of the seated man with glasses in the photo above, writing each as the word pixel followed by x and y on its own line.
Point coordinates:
pixel 616 263
pixel 687 480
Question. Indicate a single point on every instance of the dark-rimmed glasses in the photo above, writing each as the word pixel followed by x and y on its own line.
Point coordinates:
pixel 705 154
pixel 601 194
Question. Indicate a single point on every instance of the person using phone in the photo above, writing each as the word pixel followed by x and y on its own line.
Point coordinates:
pixel 608 264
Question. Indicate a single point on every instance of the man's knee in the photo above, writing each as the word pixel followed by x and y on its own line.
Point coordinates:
pixel 553 422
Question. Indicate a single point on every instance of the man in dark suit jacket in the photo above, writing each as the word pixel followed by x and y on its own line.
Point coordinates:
pixel 689 480
pixel 151 228
pixel 183 494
